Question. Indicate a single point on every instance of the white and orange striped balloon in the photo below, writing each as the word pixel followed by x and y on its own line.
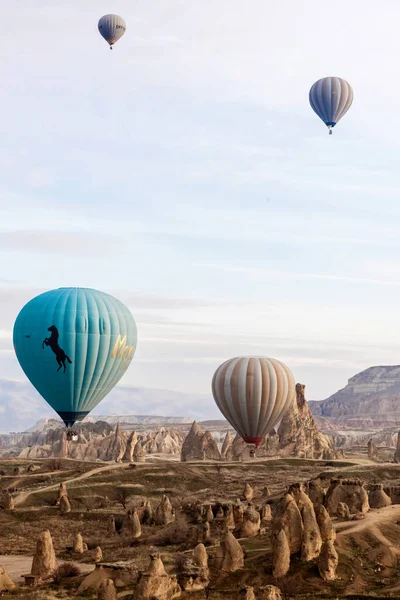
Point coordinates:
pixel 253 393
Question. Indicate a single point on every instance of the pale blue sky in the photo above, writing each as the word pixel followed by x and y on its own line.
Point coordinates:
pixel 186 173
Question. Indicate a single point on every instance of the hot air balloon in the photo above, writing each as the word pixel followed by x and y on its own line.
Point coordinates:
pixel 74 345
pixel 112 28
pixel 253 394
pixel 331 98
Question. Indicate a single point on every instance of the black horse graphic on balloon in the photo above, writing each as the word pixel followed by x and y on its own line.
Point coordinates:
pixel 52 341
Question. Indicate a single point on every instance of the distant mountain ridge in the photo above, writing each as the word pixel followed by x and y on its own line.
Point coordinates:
pixel 21 406
pixel 370 399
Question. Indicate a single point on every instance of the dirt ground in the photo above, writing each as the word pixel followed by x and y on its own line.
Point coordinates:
pixel 369 550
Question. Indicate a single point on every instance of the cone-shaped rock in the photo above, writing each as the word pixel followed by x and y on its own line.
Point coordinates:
pixel 227 445
pixel 6 584
pixel 65 506
pixel 155 584
pixel 79 546
pixel 270 592
pixel 44 560
pixel 248 492
pixel 288 517
pixel 377 497
pixel 98 555
pixel 130 447
pixel 281 554
pixel 328 561
pixel 325 525
pixel 229 556
pixel 251 523
pixel 107 591
pixel 247 593
pixel 164 513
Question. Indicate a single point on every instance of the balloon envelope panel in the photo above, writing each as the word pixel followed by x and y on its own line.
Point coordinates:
pixel 253 394
pixel 112 28
pixel 74 345
pixel 331 98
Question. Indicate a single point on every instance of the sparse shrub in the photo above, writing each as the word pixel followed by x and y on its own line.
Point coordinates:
pixel 65 571
pixel 122 495
pixel 175 533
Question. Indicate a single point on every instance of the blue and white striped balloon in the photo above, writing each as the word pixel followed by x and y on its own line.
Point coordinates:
pixel 331 98
pixel 112 28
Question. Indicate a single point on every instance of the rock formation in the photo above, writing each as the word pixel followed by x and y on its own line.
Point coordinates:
pixel 139 453
pixel 270 592
pixel 199 445
pixel 281 554
pixel 130 446
pixel 226 446
pixel 238 512
pixel 146 513
pixel 61 492
pixel 98 554
pixel 206 533
pixel 220 513
pixel 107 590
pixel 266 515
pixel 327 530
pixel 6 584
pixel 247 593
pixel 377 497
pixel 288 518
pixel 248 492
pixel 266 492
pixel 6 501
pixel 111 525
pixel 155 584
pixel 44 560
pixel 118 446
pixel 229 519
pixel 195 576
pixel 397 452
pixel 350 491
pixel 65 506
pixel 299 435
pixel 99 441
pixel 209 516
pixel 342 511
pixel 164 513
pixel 311 540
pixel 328 561
pixel 372 450
pixel 120 574
pixel 79 545
pixel 251 523
pixel 229 556
pixel 131 525
pixel 316 492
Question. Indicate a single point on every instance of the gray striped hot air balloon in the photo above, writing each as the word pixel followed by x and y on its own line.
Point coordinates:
pixel 112 28
pixel 253 394
pixel 331 98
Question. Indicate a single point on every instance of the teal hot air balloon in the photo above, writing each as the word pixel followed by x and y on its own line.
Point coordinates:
pixel 74 345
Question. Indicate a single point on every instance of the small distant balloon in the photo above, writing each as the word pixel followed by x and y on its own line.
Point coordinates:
pixel 112 28
pixel 331 98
